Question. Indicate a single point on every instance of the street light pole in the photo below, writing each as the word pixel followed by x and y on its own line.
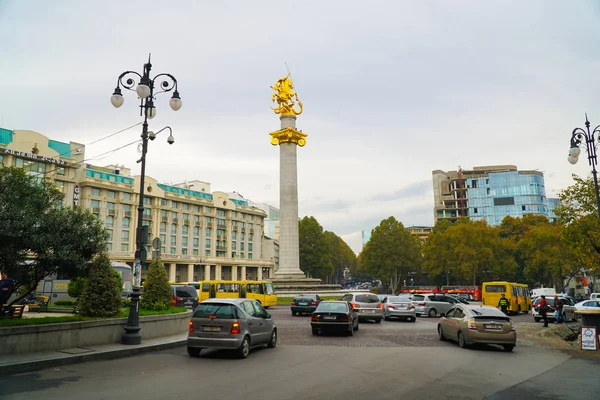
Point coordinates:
pixel 577 138
pixel 145 91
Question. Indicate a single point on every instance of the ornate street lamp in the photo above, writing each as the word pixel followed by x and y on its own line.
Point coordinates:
pixel 145 91
pixel 577 138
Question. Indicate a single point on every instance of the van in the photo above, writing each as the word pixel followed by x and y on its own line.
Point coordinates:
pixel 595 296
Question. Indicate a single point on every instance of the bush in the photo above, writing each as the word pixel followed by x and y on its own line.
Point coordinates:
pixel 125 303
pixel 101 295
pixel 76 286
pixel 65 302
pixel 156 292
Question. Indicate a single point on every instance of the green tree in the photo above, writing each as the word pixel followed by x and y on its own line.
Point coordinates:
pixel 156 293
pixel 101 295
pixel 392 252
pixel 314 249
pixel 76 286
pixel 38 237
pixel 341 257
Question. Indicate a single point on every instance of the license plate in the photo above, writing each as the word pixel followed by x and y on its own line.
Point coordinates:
pixel 211 329
pixel 302 304
pixel 370 311
pixel 329 317
pixel 492 326
pixel 402 306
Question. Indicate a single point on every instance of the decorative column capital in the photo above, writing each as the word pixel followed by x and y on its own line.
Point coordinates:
pixel 288 135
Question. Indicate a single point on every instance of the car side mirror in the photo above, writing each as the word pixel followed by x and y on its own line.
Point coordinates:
pixel 267 316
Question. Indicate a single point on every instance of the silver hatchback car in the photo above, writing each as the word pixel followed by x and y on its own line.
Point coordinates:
pixel 234 324
pixel 367 306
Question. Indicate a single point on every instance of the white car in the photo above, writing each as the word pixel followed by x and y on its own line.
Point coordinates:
pixel 568 309
pixel 588 305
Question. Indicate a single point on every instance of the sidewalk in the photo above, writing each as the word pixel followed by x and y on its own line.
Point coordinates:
pixel 19 363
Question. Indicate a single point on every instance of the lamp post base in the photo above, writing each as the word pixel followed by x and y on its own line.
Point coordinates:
pixel 132 333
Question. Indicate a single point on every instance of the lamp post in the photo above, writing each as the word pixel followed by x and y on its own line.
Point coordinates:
pixel 577 138
pixel 145 91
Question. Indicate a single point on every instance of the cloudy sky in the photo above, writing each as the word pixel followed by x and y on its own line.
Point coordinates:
pixel 392 90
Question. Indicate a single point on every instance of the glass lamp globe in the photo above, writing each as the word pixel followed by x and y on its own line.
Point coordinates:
pixel 143 90
pixel 117 100
pixel 574 151
pixel 573 160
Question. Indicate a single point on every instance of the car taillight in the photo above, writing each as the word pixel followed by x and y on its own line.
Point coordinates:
pixel 421 304
pixel 380 306
pixel 174 301
pixel 471 325
pixel 344 318
pixel 391 306
pixel 235 328
pixel 293 302
pixel 354 305
pixel 314 303
pixel 191 326
pixel 314 318
pixel 411 307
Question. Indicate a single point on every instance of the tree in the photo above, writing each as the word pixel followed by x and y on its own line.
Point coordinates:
pixel 101 295
pixel 38 238
pixel 76 286
pixel 314 249
pixel 341 257
pixel 392 252
pixel 156 293
pixel 437 251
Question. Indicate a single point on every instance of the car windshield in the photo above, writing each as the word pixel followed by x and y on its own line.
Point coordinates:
pixel 398 299
pixel 269 288
pixel 184 291
pixel 332 307
pixel 366 298
pixel 215 310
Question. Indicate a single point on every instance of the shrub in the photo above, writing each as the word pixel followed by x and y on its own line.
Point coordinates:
pixel 76 286
pixel 156 292
pixel 65 302
pixel 125 303
pixel 101 295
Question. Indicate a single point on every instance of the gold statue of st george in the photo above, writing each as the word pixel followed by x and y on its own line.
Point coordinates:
pixel 285 95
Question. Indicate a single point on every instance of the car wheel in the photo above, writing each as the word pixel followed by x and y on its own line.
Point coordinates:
pixel 412 319
pixel 441 334
pixel 294 313
pixel 244 350
pixel 273 342
pixel 387 318
pixel 351 331
pixel 508 347
pixel 461 341
pixel 536 319
pixel 432 313
pixel 418 315
pixel 194 351
pixel 315 332
pixel 356 325
pixel 378 320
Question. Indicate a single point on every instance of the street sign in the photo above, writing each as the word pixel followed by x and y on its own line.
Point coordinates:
pixel 156 243
pixel 589 338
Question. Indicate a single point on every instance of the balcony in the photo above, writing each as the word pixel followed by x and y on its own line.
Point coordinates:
pixel 220 237
pixel 112 212
pixel 244 230
pixel 96 210
pixel 127 213
pixel 175 220
pixel 186 222
pixel 209 224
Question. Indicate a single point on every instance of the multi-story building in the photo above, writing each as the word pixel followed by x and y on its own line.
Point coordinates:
pixel 272 220
pixel 421 232
pixel 202 235
pixel 489 193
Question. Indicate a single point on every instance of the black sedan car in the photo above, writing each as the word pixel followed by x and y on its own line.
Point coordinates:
pixel 334 316
pixel 305 304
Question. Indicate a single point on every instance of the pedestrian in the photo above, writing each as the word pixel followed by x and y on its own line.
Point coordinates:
pixel 543 310
pixel 558 306
pixel 503 304
pixel 7 287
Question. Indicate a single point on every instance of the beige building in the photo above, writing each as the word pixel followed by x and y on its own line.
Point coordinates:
pixel 203 235
pixel 421 232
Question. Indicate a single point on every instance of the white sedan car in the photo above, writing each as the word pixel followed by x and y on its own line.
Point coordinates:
pixel 588 305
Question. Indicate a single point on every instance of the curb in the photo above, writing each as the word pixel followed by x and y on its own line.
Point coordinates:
pixel 35 365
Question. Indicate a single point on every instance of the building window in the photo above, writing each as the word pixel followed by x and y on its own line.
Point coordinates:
pixel 184 241
pixel 196 209
pixel 197 219
pixel 220 232
pixel 163 238
pixel 163 226
pixel 108 246
pixel 126 196
pixel 111 208
pixel 208 232
pixel 207 210
pixel 208 220
pixel 233 245
pixel 242 236
pixel 60 186
pixel 96 192
pixel 110 235
pixel 196 231
pixel 474 183
pixel 96 206
pixel 474 212
pixel 249 256
pixel 173 229
pixel 184 230
pixel 125 236
pixel 233 254
pixel 184 251
pixel 126 222
pixel 174 204
pixel 174 215
pixel 220 222
pixel 147 201
pixel 172 250
pixel 523 207
pixel 186 218
pixel 241 255
pixel 220 254
pixel 249 246
pixel 164 202
pixel 110 221
pixel 242 246
pixel 110 194
pixel 127 210
pixel 207 253
pixel 207 243
pixel 220 212
pixel 234 214
pixel 233 235
pixel 250 237
pixel 195 252
pixel 186 206
pixel 124 246
pixel 173 240
pixel 196 242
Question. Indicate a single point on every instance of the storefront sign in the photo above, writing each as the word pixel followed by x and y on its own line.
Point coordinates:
pixel 119 254
pixel 589 338
pixel 34 156
pixel 76 196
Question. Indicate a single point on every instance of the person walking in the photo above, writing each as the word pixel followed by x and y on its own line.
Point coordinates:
pixel 543 309
pixel 558 306
pixel 7 287
pixel 503 304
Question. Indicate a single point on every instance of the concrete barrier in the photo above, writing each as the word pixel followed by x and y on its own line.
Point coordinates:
pixel 72 335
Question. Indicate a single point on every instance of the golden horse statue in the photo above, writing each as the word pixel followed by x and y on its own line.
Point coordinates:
pixel 285 95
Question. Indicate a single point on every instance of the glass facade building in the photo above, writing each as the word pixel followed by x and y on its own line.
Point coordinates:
pixel 490 194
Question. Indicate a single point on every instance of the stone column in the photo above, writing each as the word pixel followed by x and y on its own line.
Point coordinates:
pixel 259 275
pixel 243 273
pixel 190 273
pixel 172 272
pixel 217 272
pixel 289 248
pixel 207 272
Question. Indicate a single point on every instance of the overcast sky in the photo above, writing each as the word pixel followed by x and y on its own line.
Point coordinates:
pixel 391 90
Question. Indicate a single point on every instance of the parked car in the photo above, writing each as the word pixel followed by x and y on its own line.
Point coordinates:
pixel 433 304
pixel 469 324
pixel 305 304
pixel 568 309
pixel 588 305
pixel 464 296
pixel 235 324
pixel 382 297
pixel 458 298
pixel 399 307
pixel 367 306
pixel 337 316
pixel 185 296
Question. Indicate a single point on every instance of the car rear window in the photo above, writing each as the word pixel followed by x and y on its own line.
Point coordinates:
pixel 216 310
pixel 184 291
pixel 418 297
pixel 332 307
pixel 539 300
pixel 307 296
pixel 398 299
pixel 365 298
